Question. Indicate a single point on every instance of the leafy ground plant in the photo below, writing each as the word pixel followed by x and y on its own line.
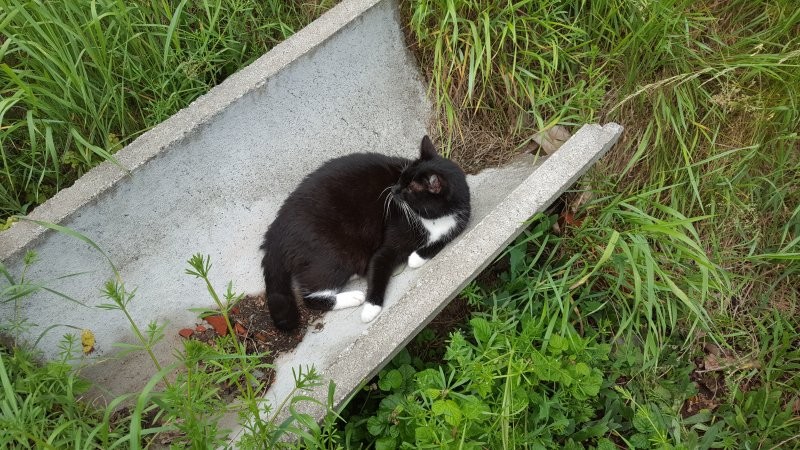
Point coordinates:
pixel 505 386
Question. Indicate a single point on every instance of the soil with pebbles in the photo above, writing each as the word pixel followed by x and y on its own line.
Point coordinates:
pixel 255 329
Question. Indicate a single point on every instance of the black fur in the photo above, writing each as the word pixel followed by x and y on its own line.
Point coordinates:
pixel 348 218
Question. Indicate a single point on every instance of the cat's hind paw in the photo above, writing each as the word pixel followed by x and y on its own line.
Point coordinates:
pixel 415 261
pixel 370 312
pixel 349 299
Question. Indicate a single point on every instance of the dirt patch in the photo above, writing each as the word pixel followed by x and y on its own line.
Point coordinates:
pixel 710 374
pixel 255 329
pixel 452 317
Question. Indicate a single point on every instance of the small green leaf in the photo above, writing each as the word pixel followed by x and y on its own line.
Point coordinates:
pixel 449 410
pixel 385 443
pixel 641 421
pixel 390 380
pixel 516 257
pixel 407 372
pixel 473 408
pixel 605 444
pixel 557 345
pixel 481 329
pixel 432 394
pixel 639 440
pixel 375 426
pixel 424 435
pixel 391 402
pixel 402 358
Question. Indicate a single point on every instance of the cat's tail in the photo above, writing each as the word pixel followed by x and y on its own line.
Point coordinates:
pixel 280 297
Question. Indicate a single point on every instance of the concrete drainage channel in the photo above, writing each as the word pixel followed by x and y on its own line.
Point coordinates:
pixel 211 178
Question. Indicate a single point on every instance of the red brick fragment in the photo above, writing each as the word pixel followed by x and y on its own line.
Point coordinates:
pixel 186 332
pixel 239 328
pixel 218 322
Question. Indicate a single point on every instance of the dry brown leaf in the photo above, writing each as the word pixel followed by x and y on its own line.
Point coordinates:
pixel 552 139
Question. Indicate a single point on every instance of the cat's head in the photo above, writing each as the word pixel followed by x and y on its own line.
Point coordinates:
pixel 432 186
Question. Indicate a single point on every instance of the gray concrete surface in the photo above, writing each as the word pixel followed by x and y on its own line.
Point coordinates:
pixel 211 178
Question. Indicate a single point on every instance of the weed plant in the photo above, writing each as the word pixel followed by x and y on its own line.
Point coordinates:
pixel 43 405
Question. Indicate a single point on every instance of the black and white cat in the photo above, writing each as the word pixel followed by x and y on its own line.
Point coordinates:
pixel 361 214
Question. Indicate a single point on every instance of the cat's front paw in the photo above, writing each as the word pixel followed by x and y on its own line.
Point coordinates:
pixel 370 312
pixel 416 261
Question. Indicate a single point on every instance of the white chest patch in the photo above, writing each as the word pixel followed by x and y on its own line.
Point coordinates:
pixel 438 228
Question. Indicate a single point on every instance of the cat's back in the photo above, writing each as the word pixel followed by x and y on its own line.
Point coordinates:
pixel 346 189
pixel 350 168
pixel 350 178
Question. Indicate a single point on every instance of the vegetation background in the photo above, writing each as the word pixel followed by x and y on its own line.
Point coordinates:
pixel 656 306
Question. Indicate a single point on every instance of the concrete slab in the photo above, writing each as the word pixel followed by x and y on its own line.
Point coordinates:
pixel 211 178
pixel 350 353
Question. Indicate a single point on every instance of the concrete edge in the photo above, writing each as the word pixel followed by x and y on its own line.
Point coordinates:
pixel 150 144
pixel 464 260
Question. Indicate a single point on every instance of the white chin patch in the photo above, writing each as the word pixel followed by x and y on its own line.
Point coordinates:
pixel 370 312
pixel 415 261
pixel 349 299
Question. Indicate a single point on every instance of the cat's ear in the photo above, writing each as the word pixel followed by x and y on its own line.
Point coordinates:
pixel 434 184
pixel 426 149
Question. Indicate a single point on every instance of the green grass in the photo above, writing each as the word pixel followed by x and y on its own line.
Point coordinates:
pixel 41 409
pixel 699 205
pixel 684 247
pixel 80 79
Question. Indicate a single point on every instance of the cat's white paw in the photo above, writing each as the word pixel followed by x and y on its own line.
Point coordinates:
pixel 416 261
pixel 349 299
pixel 370 312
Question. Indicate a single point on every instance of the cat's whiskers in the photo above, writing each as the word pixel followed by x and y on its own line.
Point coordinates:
pixel 387 204
pixel 403 207
pixel 387 188
pixel 411 216
pixel 386 201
